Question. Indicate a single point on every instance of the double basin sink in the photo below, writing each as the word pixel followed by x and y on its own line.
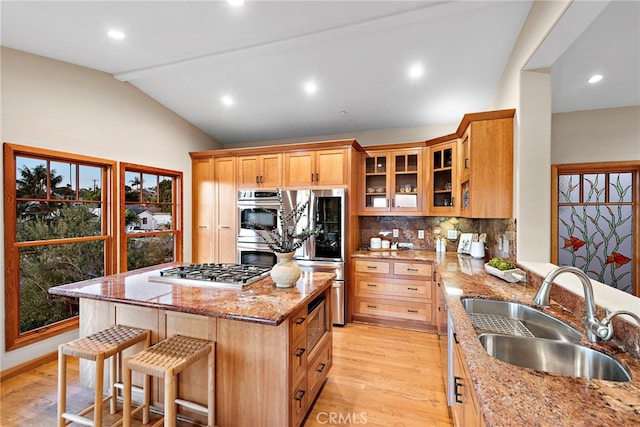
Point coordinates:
pixel 524 336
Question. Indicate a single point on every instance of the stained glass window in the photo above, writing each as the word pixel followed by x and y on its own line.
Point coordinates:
pixel 595 225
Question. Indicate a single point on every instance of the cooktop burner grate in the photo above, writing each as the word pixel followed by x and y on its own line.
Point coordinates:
pixel 226 275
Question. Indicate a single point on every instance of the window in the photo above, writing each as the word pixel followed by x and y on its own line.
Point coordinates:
pixel 150 216
pixel 58 230
pixel 596 219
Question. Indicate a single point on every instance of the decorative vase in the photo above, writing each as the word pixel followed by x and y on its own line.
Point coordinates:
pixel 286 272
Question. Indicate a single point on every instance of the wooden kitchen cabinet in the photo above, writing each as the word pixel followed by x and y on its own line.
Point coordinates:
pixel 466 409
pixel 394 293
pixel 260 171
pixel 392 182
pixel 443 182
pixel 202 209
pixel 225 210
pixel 325 168
pixel 214 209
pixel 486 165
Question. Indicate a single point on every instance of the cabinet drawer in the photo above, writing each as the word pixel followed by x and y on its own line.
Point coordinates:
pixel 298 325
pixel 394 309
pixel 395 287
pixel 298 360
pixel 298 402
pixel 375 267
pixel 319 364
pixel 413 269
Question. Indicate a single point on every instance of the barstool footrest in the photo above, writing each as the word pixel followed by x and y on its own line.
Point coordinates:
pixel 75 418
pixel 192 405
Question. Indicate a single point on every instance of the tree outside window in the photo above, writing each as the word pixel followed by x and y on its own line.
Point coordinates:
pixel 151 216
pixel 58 230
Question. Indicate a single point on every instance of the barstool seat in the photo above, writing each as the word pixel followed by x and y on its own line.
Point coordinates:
pixel 97 347
pixel 166 360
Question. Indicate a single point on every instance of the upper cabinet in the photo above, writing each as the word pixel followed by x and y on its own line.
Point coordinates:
pixel 486 169
pixel 326 168
pixel 260 171
pixel 443 183
pixel 392 182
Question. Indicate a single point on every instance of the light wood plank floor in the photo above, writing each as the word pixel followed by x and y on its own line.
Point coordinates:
pixel 380 377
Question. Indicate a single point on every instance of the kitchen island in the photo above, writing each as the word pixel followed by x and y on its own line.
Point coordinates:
pixel 260 333
pixel 509 395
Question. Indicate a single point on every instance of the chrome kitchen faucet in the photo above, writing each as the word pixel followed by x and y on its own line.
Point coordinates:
pixel 596 330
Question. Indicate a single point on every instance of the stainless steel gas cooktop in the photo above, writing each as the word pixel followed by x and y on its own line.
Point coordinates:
pixel 234 276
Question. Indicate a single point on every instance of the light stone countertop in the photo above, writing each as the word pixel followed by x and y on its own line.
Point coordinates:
pixel 513 396
pixel 259 302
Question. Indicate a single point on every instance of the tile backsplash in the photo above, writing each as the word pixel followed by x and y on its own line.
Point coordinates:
pixel 501 233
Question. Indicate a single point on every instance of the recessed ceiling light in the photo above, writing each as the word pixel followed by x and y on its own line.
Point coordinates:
pixel 227 100
pixel 416 71
pixel 310 87
pixel 595 78
pixel 116 34
pixel 235 2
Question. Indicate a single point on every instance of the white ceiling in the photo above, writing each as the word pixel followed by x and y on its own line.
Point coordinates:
pixel 188 54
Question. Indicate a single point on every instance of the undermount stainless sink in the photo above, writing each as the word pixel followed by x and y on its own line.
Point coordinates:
pixel 554 356
pixel 512 318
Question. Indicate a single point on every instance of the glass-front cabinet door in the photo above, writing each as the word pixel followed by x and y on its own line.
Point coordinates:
pixel 376 182
pixel 444 180
pixel 393 182
pixel 407 177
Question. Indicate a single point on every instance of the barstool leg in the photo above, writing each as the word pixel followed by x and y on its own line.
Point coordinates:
pixel 126 397
pixel 97 409
pixel 170 410
pixel 113 375
pixel 62 387
pixel 211 387
pixel 146 398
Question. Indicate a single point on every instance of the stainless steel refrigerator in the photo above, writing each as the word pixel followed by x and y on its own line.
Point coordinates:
pixel 324 252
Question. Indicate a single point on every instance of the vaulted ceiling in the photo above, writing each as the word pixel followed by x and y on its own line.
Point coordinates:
pixel 189 55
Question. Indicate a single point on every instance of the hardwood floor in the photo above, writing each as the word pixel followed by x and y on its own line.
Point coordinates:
pixel 380 377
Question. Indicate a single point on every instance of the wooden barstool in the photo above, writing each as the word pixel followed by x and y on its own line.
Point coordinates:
pixel 166 360
pixel 98 347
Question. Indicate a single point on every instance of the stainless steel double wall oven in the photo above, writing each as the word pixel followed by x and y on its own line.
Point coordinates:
pixel 324 252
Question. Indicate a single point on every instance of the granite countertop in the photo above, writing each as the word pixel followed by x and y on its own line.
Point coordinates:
pixel 510 395
pixel 260 302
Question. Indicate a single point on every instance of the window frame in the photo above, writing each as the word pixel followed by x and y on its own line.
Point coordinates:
pixel 177 211
pixel 13 337
pixel 591 168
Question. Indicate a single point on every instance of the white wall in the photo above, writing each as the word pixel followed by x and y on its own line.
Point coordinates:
pixel 611 134
pixel 366 138
pixel 59 106
pixel 529 92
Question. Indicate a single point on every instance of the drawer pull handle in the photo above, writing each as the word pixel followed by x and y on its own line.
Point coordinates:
pixel 412 269
pixel 371 285
pixel 372 306
pixel 203 226
pixel 413 311
pixel 300 394
pixel 372 267
pixel 300 321
pixel 455 338
pixel 412 289
pixel 457 385
pixel 321 367
pixel 300 352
